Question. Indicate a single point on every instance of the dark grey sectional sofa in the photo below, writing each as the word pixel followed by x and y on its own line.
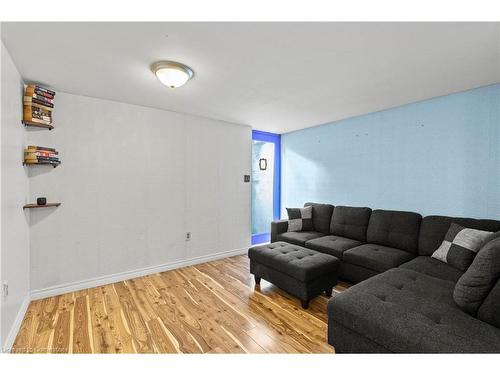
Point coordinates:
pixel 403 298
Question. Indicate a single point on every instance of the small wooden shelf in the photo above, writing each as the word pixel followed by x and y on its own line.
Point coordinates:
pixel 34 205
pixel 37 125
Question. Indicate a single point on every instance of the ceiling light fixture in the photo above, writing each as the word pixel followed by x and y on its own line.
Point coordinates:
pixel 171 73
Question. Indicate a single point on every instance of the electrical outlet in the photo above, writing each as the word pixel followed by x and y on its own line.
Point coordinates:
pixel 5 289
pixel 188 236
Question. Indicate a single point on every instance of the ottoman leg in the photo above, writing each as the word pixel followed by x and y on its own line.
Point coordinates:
pixel 328 292
pixel 257 279
pixel 305 304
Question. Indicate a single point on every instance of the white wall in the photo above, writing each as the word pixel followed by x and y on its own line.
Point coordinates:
pixel 133 181
pixel 14 187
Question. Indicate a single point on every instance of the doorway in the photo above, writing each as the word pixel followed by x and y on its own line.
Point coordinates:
pixel 266 175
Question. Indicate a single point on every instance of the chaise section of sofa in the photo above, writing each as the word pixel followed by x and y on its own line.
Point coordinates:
pixel 404 311
pixel 410 309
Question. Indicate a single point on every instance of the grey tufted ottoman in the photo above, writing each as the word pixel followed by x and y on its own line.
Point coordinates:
pixel 302 272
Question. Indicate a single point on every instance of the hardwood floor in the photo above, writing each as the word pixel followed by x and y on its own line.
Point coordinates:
pixel 207 308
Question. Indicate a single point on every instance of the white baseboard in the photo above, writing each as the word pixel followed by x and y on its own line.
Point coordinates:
pixel 108 279
pixel 11 337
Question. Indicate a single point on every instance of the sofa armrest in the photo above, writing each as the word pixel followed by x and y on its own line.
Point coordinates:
pixel 277 227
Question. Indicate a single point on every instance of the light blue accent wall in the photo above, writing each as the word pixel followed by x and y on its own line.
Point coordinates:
pixel 439 156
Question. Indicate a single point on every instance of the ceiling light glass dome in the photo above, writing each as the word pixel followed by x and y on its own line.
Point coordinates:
pixel 172 74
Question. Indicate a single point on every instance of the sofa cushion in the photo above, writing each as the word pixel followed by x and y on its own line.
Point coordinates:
pixel 295 261
pixel 406 311
pixel 350 222
pixel 299 219
pixel 298 238
pixel 477 282
pixel 489 311
pixel 376 257
pixel 433 267
pixel 354 274
pixel 434 228
pixel 333 245
pixel 321 215
pixel 397 229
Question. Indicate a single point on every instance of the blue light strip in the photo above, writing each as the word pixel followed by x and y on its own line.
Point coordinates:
pixel 258 135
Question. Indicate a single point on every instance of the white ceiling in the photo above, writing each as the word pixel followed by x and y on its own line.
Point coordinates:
pixel 277 77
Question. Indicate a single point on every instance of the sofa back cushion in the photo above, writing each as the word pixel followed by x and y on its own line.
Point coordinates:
pixel 489 311
pixel 321 216
pixel 477 282
pixel 433 229
pixel 350 222
pixel 397 229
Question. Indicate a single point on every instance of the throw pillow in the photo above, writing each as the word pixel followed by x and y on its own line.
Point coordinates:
pixel 460 246
pixel 477 282
pixel 299 219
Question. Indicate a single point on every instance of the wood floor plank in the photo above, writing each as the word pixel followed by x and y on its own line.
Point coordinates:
pixel 27 331
pixel 60 343
pixel 172 318
pixel 213 307
pixel 102 336
pixel 120 332
pixel 81 337
pixel 141 336
pixel 46 316
pixel 194 317
pixel 162 340
pixel 210 322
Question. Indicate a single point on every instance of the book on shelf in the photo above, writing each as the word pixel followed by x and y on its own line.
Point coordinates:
pixel 55 160
pixel 46 158
pixel 37 121
pixel 47 120
pixel 39 90
pixel 39 115
pixel 40 148
pixel 44 118
pixel 38 110
pixel 40 154
pixel 28 115
pixel 42 162
pixel 39 103
pixel 41 97
pixel 50 154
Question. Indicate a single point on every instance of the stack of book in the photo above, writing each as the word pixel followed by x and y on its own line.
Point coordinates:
pixel 38 104
pixel 41 155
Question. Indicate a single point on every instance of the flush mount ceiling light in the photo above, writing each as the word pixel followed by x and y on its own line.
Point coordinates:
pixel 171 73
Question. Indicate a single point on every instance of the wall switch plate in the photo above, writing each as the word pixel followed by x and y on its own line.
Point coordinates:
pixel 246 178
pixel 5 289
pixel 188 236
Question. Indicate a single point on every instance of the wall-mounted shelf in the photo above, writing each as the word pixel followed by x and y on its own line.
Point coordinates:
pixel 37 125
pixel 34 205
